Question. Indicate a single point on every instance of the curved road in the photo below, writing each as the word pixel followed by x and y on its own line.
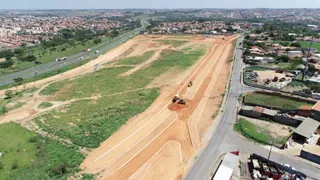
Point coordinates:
pixel 43 68
pixel 225 140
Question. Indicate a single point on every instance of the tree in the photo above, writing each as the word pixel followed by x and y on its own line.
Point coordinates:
pixel 97 41
pixel 246 52
pixel 114 33
pixel 295 44
pixel 6 64
pixel 247 37
pixel 31 58
pixel 9 94
pixel 284 58
pixel 18 81
pixel 19 51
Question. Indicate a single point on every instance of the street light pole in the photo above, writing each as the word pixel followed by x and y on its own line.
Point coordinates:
pixel 307 61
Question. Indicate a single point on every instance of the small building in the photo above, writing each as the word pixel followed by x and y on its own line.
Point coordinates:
pixel 226 167
pixel 311 153
pixel 305 130
pixel 304 111
pixel 293 54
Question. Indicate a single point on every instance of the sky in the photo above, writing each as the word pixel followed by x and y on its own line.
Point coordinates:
pixel 155 4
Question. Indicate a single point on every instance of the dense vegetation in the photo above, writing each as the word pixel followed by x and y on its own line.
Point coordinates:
pixel 27 155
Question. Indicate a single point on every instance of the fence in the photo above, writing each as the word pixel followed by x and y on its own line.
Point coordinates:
pixel 297 93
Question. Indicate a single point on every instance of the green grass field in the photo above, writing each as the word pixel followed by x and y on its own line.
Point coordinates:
pixel 108 81
pixel 274 101
pixel 257 133
pixel 89 122
pixel 135 60
pixel 27 156
pixel 306 44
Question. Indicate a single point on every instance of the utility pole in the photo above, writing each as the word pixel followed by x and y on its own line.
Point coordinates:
pixel 307 61
pixel 270 152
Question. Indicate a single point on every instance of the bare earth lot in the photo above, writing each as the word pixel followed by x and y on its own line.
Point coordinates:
pixel 160 141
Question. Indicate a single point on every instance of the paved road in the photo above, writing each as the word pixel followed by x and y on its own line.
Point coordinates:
pixel 225 140
pixel 43 68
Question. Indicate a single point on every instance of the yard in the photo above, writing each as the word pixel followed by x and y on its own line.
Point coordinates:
pixel 274 101
pixel 25 155
pixel 263 132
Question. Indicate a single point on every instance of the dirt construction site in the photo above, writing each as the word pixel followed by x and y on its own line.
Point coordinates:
pixel 160 142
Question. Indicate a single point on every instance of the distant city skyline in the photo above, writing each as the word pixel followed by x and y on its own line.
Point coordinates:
pixel 148 4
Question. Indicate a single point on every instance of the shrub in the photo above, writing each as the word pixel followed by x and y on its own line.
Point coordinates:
pixel 15 164
pixel 307 91
pixel 8 93
pixel 6 64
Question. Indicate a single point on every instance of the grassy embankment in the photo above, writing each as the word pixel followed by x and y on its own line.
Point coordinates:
pixel 89 122
pixel 274 101
pixel 45 55
pixel 257 133
pixel 48 74
pixel 26 155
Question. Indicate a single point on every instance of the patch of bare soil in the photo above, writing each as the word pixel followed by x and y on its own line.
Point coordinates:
pixel 276 130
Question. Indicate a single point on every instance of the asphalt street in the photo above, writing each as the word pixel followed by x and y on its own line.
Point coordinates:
pixel 43 68
pixel 225 140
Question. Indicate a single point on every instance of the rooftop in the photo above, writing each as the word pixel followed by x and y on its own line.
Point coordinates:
pixel 305 108
pixel 307 127
pixel 226 167
pixel 316 107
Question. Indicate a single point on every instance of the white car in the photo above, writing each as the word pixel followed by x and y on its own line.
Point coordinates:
pixel 287 165
pixel 81 57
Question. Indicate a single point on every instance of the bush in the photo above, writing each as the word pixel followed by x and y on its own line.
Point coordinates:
pixel 283 58
pixel 18 81
pixel 8 93
pixel 1 165
pixel 97 41
pixel 307 91
pixel 6 64
pixel 15 164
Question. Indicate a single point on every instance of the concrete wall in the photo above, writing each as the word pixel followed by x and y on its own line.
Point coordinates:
pixel 315 115
pixel 250 113
pixel 309 156
pixel 286 120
